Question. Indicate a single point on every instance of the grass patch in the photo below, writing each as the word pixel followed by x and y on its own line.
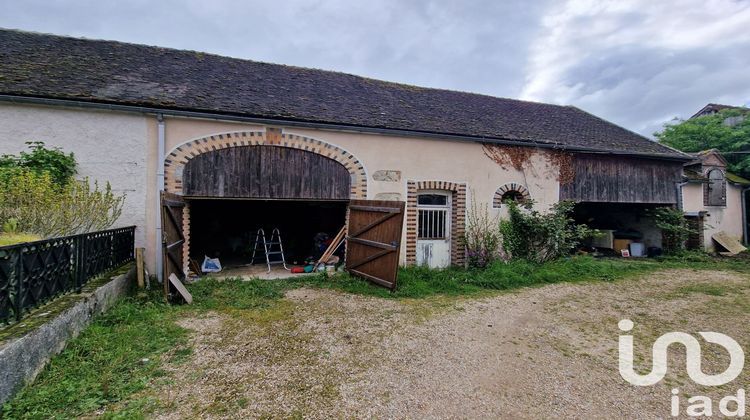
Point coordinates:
pixel 102 366
pixel 706 289
pixel 17 238
pixel 420 282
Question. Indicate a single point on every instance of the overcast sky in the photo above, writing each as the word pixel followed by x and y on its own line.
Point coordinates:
pixel 638 63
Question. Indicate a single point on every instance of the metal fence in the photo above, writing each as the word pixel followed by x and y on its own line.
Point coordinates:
pixel 33 273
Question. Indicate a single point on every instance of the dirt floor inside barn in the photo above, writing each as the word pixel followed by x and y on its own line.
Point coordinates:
pixel 539 352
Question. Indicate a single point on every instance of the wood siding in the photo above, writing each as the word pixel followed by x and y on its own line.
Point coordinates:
pixel 622 180
pixel 266 172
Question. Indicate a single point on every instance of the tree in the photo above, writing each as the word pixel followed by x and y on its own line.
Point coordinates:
pixel 39 159
pixel 728 131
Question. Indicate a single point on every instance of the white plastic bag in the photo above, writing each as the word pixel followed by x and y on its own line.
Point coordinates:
pixel 210 265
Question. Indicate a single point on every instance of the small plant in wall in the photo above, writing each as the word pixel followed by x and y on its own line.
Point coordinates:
pixel 531 235
pixel 482 237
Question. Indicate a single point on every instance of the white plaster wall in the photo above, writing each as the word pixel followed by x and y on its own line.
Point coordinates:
pixel 108 146
pixel 727 218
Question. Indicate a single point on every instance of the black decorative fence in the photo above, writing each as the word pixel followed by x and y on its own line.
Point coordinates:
pixel 33 273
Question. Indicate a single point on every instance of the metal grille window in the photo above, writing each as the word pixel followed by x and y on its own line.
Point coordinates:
pixel 432 216
pixel 432 223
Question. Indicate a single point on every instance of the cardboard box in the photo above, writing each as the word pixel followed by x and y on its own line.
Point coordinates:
pixel 620 244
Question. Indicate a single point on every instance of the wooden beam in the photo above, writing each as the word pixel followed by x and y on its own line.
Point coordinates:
pixel 139 267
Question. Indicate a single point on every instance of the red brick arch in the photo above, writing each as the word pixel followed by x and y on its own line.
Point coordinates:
pixel 177 158
pixel 497 199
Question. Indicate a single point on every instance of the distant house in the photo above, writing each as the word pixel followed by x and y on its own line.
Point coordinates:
pixel 712 109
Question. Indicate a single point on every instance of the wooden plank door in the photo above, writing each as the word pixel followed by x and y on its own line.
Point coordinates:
pixel 172 237
pixel 374 240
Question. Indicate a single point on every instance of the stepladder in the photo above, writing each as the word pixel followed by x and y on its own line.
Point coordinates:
pixel 272 249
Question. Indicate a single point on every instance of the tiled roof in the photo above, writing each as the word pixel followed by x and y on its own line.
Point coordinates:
pixel 48 66
pixel 714 108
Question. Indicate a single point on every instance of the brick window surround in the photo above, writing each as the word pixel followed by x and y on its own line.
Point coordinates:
pixel 458 217
pixel 497 198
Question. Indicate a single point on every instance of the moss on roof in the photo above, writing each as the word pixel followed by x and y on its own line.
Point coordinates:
pixel 736 179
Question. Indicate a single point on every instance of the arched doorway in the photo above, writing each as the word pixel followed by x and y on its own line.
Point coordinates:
pixel 227 186
pixel 235 192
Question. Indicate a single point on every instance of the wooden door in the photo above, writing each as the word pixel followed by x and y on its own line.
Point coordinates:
pixel 374 240
pixel 172 237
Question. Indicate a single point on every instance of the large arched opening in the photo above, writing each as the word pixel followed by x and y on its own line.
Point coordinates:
pixel 234 193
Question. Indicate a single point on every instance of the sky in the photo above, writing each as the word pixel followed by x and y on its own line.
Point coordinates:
pixel 638 63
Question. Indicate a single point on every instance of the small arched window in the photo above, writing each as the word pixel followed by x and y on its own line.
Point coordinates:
pixel 715 193
pixel 510 192
pixel 512 196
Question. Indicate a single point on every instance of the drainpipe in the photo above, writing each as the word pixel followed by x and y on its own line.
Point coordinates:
pixel 159 188
pixel 744 214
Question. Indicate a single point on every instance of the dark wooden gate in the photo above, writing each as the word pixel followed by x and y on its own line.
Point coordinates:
pixel 266 172
pixel 374 240
pixel 172 236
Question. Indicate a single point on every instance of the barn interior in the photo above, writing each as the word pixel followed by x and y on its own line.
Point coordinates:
pixel 226 229
pixel 621 224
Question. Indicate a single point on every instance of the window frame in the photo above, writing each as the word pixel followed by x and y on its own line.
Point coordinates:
pixel 712 185
pixel 445 208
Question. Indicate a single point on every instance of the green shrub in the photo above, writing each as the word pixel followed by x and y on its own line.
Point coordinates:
pixel 34 203
pixel 40 160
pixel 674 228
pixel 538 237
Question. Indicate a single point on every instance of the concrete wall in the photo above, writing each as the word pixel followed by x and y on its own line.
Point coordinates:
pixel 727 218
pixel 23 356
pixel 108 146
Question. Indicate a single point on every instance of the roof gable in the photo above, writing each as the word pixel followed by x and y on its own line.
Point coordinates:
pixel 712 157
pixel 47 66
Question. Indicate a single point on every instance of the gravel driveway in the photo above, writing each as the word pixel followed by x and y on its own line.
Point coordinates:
pixel 541 352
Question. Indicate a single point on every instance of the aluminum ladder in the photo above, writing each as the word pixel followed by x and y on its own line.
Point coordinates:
pixel 268 248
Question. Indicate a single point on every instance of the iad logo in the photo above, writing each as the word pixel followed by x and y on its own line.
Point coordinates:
pixel 693 362
pixel 701 405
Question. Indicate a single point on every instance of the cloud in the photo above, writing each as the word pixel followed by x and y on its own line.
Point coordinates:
pixel 640 63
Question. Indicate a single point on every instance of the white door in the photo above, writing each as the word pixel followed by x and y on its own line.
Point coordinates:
pixel 433 229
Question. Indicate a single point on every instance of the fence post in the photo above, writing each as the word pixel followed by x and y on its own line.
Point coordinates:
pixel 19 283
pixel 78 243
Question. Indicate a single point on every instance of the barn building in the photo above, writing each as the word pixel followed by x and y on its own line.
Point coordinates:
pixel 234 145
